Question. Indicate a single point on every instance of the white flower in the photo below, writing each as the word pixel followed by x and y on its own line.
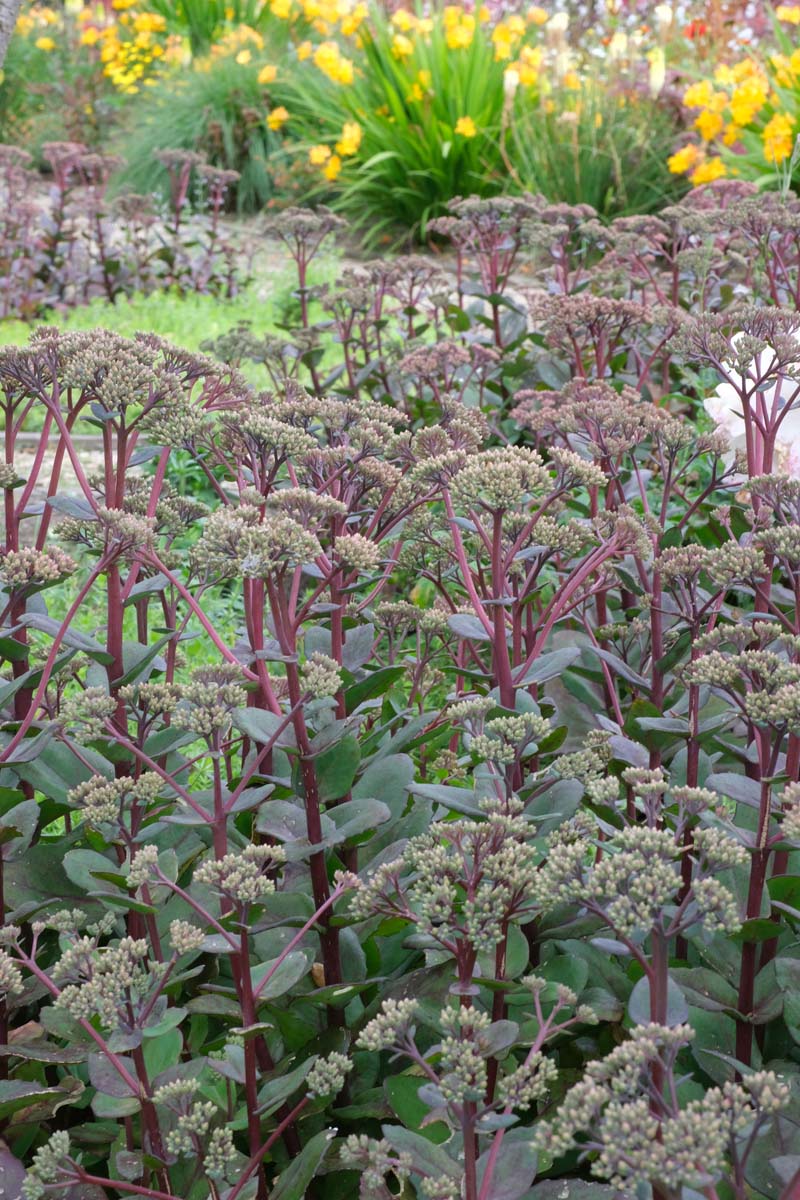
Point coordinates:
pixel 724 407
pixel 658 70
pixel 664 17
pixel 618 46
pixel 510 82
pixel 559 22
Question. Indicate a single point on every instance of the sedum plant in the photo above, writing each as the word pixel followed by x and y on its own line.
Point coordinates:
pixel 412 809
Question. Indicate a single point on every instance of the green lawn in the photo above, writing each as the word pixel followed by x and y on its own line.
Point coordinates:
pixel 185 320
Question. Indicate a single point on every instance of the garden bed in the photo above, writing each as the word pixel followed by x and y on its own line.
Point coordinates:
pixel 400 652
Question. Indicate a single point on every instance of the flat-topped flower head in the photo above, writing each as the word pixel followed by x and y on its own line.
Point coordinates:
pixel 242 877
pixel 30 569
pixel 102 801
pixel 242 541
pixel 321 676
pixel 209 699
pixel 500 479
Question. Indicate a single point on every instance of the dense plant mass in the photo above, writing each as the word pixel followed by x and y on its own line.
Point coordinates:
pixel 390 114
pixel 79 243
pixel 411 806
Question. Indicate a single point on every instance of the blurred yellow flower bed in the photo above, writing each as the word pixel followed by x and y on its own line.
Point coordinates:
pixel 744 115
pixel 349 102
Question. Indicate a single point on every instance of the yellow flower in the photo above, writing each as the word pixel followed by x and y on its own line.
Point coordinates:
pixel 783 70
pixel 746 68
pixel 267 74
pixel 502 44
pixel 402 47
pixel 708 171
pixel 747 99
pixel 304 51
pixel 778 138
pixel 699 95
pixel 330 60
pixel 45 43
pixel 788 12
pixel 282 9
pixel 465 126
pixel 528 64
pixel 505 35
pixel 352 21
pixel 319 155
pixel 350 140
pixel 332 167
pixel 415 94
pixel 243 57
pixel 731 134
pixel 537 15
pixel 459 37
pixel 90 36
pixel 683 160
pixel 403 20
pixel 246 33
pixel 278 117
pixel 149 23
pixel 709 124
pixel 459 27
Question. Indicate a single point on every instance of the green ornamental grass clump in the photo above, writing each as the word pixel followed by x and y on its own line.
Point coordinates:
pixel 215 108
pixel 440 105
pixel 400 765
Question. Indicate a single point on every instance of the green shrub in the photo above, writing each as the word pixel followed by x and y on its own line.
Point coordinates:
pixel 403 799
pixel 596 147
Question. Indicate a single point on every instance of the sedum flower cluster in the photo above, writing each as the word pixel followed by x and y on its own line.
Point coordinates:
pixel 636 883
pixel 610 1111
pixel 103 981
pixel 243 877
pixel 461 883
